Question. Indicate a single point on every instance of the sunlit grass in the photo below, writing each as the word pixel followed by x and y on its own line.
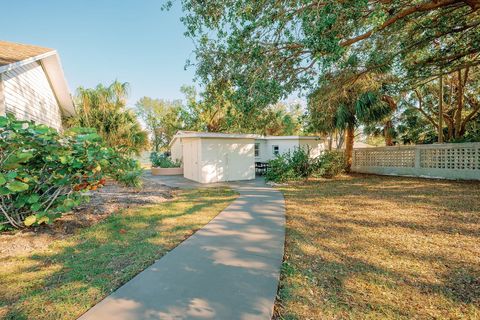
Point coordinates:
pixel 71 275
pixel 371 247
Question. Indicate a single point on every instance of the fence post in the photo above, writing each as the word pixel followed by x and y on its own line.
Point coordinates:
pixel 417 158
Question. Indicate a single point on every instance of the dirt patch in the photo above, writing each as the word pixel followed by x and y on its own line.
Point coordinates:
pixel 107 200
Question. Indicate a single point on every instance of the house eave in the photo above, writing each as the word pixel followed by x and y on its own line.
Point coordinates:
pixel 52 66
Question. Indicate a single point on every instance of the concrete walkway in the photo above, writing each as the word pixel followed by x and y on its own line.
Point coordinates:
pixel 227 270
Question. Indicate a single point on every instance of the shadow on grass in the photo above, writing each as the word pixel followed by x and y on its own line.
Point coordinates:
pixel 381 247
pixel 73 274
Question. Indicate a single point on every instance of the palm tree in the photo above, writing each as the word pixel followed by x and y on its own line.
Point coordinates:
pixel 344 105
pixel 104 108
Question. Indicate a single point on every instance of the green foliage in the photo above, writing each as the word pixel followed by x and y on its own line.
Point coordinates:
pixel 163 119
pixel 160 160
pixel 213 112
pixel 342 103
pixel 298 165
pixel 44 174
pixel 269 49
pixel 256 53
pixel 330 164
pixel 461 104
pixel 290 166
pixel 279 170
pixel 279 120
pixel 125 170
pixel 104 109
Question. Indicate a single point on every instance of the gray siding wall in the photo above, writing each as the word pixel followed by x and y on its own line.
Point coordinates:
pixel 29 96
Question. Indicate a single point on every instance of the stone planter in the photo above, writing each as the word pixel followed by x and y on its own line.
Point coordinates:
pixel 166 171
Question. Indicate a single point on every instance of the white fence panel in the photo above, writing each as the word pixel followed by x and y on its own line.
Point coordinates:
pixel 449 161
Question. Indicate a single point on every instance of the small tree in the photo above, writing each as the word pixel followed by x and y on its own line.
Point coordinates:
pixel 340 106
pixel 162 119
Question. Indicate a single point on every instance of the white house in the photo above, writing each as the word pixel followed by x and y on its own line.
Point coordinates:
pixel 215 157
pixel 33 85
pixel 267 147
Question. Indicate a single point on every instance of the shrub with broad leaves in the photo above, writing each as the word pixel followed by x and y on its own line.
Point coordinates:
pixel 298 165
pixel 44 174
pixel 160 160
pixel 330 164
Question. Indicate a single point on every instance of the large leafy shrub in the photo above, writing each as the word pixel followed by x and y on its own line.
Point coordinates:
pixel 330 164
pixel 290 166
pixel 299 165
pixel 160 160
pixel 43 173
pixel 280 170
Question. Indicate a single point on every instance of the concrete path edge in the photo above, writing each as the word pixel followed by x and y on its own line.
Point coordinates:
pixel 229 269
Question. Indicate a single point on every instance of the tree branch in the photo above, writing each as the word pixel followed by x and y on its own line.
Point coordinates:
pixel 423 7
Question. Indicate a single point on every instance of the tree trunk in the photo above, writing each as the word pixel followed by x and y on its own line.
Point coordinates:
pixel 349 136
pixel 458 111
pixel 387 130
pixel 457 117
pixel 387 133
pixel 340 138
pixel 440 111
pixel 330 141
pixel 450 130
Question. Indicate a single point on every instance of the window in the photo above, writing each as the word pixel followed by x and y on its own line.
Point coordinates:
pixel 257 149
pixel 276 150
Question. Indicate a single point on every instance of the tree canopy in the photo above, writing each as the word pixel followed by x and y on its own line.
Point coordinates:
pixel 268 49
pixel 161 118
pixel 213 112
pixel 104 109
pixel 255 53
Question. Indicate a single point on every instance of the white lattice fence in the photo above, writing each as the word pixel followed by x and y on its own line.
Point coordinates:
pixel 451 161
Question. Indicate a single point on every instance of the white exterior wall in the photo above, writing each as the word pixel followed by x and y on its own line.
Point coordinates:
pixel 176 150
pixel 28 95
pixel 316 146
pixel 227 160
pixel 266 147
pixel 192 148
pixel 285 145
pixel 264 155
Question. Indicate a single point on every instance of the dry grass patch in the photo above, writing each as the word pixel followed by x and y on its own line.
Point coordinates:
pixel 72 274
pixel 372 247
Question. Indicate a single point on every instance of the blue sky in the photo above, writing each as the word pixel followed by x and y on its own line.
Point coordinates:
pixel 103 40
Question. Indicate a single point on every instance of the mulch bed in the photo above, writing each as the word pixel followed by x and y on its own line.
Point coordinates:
pixel 103 202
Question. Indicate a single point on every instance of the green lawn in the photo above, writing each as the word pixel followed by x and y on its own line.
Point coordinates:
pixel 70 276
pixel 371 247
